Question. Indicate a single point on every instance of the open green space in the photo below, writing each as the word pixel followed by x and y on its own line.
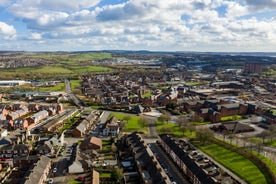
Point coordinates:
pixel 75 84
pixel 193 83
pixel 69 57
pixel 231 118
pixel 57 65
pixel 270 143
pixel 59 87
pixel 132 124
pixel 270 72
pixel 268 162
pixel 170 128
pixel 235 162
pixel 90 68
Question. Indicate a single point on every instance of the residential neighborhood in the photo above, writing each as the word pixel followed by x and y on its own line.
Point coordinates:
pixel 159 124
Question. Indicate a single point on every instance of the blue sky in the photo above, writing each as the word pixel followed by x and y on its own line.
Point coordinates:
pixel 157 25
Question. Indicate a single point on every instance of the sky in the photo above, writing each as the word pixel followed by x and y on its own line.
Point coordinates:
pixel 156 25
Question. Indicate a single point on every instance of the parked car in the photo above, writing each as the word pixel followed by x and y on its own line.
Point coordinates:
pixel 50 181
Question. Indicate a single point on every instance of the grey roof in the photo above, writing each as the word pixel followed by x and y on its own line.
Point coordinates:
pixel 38 170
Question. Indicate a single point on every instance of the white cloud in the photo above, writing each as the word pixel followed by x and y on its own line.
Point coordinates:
pixel 6 29
pixel 235 9
pixel 35 36
pixel 55 18
pixel 144 24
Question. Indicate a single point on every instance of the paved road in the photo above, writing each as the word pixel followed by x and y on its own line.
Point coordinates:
pixel 173 172
pixel 71 94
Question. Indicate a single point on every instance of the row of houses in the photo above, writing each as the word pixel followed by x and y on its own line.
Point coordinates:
pixel 148 169
pixel 14 120
pixel 197 167
pixel 214 110
pixel 85 125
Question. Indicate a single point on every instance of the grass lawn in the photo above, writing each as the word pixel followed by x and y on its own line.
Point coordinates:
pixel 268 162
pixel 59 87
pixel 147 95
pixel 106 144
pixel 193 83
pixel 132 124
pixel 272 143
pixel 201 123
pixel 105 174
pixel 75 84
pixel 173 129
pixel 75 181
pixel 237 163
pixel 231 118
pixel 63 65
pixel 90 68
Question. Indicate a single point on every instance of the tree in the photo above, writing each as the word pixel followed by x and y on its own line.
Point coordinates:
pixel 263 135
pixel 164 118
pixel 166 130
pixel 272 130
pixel 143 122
pixel 127 118
pixel 182 121
pixel 122 124
pixel 196 118
pixel 171 106
pixel 116 175
pixel 204 135
pixel 182 129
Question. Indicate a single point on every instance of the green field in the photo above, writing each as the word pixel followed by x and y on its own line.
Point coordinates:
pixel 75 84
pixel 193 83
pixel 89 68
pixel 60 66
pixel 237 163
pixel 59 87
pixel 163 127
pixel 132 124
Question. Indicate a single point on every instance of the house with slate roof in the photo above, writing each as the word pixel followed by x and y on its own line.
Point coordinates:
pixel 197 167
pixel 38 173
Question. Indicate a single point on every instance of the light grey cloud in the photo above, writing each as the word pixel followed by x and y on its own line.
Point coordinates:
pixel 261 4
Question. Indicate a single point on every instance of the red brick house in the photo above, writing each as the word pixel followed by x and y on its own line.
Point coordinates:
pixel 91 143
pixel 7 124
pixel 20 124
pixel 33 107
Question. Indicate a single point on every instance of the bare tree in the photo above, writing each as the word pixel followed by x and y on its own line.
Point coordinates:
pixel 272 130
pixel 182 121
pixel 196 118
pixel 166 130
pixel 263 135
pixel 164 118
pixel 143 122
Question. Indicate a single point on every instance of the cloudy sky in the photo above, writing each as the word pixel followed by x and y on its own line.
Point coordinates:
pixel 157 25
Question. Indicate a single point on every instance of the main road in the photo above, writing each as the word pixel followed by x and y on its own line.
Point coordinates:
pixel 72 95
